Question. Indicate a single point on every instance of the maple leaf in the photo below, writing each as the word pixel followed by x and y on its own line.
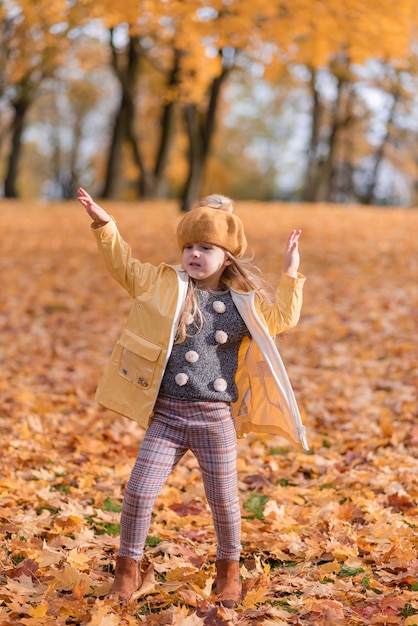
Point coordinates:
pixel 103 615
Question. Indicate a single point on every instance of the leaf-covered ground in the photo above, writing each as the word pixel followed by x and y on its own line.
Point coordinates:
pixel 329 537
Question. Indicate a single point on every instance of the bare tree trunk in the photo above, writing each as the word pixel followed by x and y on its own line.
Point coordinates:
pixel 126 71
pixel 322 168
pixel 370 196
pixel 326 170
pixel 200 129
pixel 196 156
pixel 20 109
pixel 114 159
pixel 312 166
pixel 167 133
pixel 72 182
pixel 151 182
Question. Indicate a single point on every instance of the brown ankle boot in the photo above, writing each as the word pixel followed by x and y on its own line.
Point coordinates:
pixel 228 584
pixel 127 578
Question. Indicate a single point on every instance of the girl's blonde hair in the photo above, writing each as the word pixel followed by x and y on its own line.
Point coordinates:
pixel 241 274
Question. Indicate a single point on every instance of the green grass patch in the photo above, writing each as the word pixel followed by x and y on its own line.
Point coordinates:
pixel 112 505
pixel 106 528
pixel 279 451
pixel 151 542
pixel 276 563
pixel 408 610
pixel 52 509
pixel 365 582
pixel 255 505
pixel 346 572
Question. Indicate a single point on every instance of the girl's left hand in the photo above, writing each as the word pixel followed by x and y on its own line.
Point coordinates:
pixel 96 212
pixel 292 256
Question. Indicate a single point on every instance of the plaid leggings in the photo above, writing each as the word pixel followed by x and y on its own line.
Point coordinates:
pixel 208 430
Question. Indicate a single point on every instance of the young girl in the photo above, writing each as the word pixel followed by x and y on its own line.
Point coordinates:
pixel 196 366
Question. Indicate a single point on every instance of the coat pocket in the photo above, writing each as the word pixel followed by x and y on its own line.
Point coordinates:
pixel 138 358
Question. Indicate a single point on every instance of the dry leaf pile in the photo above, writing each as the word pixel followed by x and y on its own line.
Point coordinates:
pixel 330 537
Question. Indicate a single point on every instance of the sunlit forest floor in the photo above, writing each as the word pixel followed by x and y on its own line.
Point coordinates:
pixel 329 537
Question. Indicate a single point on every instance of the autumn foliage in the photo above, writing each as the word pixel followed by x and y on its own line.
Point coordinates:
pixel 329 536
pixel 162 88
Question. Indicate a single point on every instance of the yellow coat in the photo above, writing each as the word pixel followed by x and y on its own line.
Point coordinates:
pixel 131 382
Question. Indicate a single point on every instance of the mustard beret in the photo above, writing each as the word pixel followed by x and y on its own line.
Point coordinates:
pixel 218 226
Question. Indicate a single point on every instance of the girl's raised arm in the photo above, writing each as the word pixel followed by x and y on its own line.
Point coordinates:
pixel 97 214
pixel 292 257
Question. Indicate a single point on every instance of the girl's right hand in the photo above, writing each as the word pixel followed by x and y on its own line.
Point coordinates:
pixel 95 211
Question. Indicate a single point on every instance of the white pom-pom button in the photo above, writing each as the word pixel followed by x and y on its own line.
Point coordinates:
pixel 221 336
pixel 220 384
pixel 181 379
pixel 219 307
pixel 191 356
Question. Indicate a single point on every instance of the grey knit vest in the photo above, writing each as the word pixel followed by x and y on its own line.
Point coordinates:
pixel 203 367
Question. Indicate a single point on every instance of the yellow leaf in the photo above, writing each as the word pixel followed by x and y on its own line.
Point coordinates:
pixel 79 560
pixel 103 615
pixel 330 568
pixel 38 611
pixel 179 573
pixel 254 596
pixel 69 578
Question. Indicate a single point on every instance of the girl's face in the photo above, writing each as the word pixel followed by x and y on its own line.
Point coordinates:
pixel 205 263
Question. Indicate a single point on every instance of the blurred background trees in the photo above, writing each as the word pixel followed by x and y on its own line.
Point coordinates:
pixel 294 99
